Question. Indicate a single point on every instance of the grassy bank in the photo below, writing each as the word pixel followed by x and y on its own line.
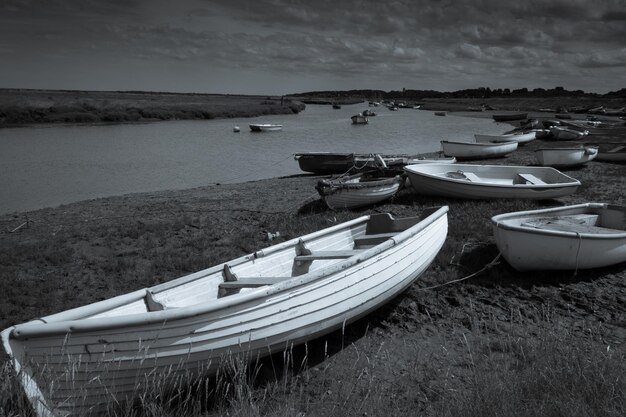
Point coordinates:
pixel 21 107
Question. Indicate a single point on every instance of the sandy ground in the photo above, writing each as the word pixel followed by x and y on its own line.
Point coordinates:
pixel 415 346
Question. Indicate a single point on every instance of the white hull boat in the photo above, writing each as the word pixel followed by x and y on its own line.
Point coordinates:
pixel 581 236
pixel 490 181
pixel 265 127
pixel 360 190
pixel 429 160
pixel 612 152
pixel 520 138
pixel 566 156
pixel 80 361
pixel 477 150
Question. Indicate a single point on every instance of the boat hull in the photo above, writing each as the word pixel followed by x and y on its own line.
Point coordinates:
pixel 527 246
pixel 80 361
pixel 489 181
pixel 353 192
pixel 265 127
pixel 468 150
pixel 612 153
pixel 565 157
pixel 520 138
pixel 340 163
pixel 509 117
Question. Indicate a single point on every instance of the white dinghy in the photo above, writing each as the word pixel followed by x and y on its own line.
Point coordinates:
pixel 477 150
pixel 520 138
pixel 78 361
pixel 581 236
pixel 490 181
pixel 265 127
pixel 566 156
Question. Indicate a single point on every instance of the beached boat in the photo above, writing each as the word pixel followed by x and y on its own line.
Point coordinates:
pixel 265 127
pixel 477 150
pixel 440 113
pixel 359 119
pixel 490 181
pixel 79 361
pixel 566 156
pixel 519 137
pixel 362 189
pixel 581 236
pixel 336 106
pixel 562 133
pixel 431 160
pixel 611 152
pixel 341 163
pixel 505 117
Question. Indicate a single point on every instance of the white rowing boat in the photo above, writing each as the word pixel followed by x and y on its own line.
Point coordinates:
pixel 80 361
pixel 265 127
pixel 477 150
pixel 566 156
pixel 520 138
pixel 490 181
pixel 581 236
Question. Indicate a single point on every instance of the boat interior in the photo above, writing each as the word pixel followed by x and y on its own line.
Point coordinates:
pixel 611 220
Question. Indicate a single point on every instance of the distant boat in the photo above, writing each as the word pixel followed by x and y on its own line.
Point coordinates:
pixel 562 133
pixel 80 361
pixel 265 127
pixel 477 150
pixel 336 106
pixel 368 113
pixel 612 152
pixel 440 113
pixel 520 137
pixel 509 116
pixel 566 156
pixel 581 236
pixel 490 181
pixel 362 189
pixel 236 129
pixel 359 119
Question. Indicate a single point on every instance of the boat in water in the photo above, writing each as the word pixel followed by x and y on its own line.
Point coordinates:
pixel 265 127
pixel 359 119
pixel 490 181
pixel 81 361
pixel 581 236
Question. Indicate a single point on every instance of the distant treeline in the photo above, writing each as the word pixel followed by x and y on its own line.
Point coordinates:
pixel 482 92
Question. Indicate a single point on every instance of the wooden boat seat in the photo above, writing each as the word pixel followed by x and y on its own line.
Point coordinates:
pixel 331 254
pixel 530 178
pixel 374 239
pixel 253 282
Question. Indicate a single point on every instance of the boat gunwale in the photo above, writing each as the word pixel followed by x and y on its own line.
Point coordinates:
pixel 498 222
pixel 484 144
pixel 72 326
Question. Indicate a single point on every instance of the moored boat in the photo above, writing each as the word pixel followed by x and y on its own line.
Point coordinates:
pixel 78 361
pixel 359 119
pixel 490 181
pixel 341 163
pixel 566 156
pixel 519 137
pixel 440 113
pixel 562 133
pixel 611 152
pixel 477 150
pixel 581 236
pixel 505 117
pixel 361 189
pixel 265 127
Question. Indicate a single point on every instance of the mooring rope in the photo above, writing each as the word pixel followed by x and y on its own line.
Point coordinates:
pixel 491 264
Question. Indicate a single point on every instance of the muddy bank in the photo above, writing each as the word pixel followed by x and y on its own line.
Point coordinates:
pixel 23 107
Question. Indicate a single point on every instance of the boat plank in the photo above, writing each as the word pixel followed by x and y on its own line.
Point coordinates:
pixel 532 179
pixel 252 282
pixel 331 254
pixel 373 239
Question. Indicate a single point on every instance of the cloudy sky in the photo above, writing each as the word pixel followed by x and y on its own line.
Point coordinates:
pixel 288 46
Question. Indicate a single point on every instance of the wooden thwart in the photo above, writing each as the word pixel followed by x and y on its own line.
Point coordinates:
pixel 252 282
pixel 373 239
pixel 331 254
pixel 532 179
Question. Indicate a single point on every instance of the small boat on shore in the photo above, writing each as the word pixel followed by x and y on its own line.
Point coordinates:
pixel 80 361
pixel 361 189
pixel 265 127
pixel 506 117
pixel 562 133
pixel 566 156
pixel 336 106
pixel 340 163
pixel 490 181
pixel 359 119
pixel 519 137
pixel 440 113
pixel 581 236
pixel 477 150
pixel 430 160
pixel 611 152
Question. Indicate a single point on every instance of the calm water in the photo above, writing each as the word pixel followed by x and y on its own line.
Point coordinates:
pixel 49 166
